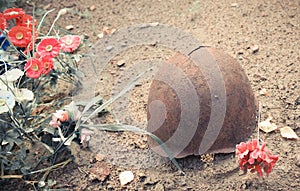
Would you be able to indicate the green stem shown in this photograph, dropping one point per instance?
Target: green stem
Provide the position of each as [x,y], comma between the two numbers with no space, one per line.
[52,167]
[258,122]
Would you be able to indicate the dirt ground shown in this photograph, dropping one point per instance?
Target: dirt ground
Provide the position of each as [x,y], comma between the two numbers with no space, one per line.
[263,36]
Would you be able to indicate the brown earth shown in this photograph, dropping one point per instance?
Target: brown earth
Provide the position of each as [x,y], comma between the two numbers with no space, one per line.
[236,27]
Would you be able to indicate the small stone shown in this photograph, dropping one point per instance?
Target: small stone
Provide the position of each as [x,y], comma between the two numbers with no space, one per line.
[255,49]
[100,35]
[288,133]
[241,51]
[63,11]
[123,44]
[126,177]
[112,31]
[99,171]
[106,30]
[234,5]
[264,92]
[70,27]
[154,24]
[109,48]
[92,8]
[86,36]
[121,63]
[266,126]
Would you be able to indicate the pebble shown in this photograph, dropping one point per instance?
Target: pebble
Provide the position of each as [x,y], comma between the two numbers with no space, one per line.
[126,177]
[234,5]
[63,11]
[109,48]
[121,63]
[100,35]
[123,44]
[241,51]
[92,8]
[255,49]
[70,27]
[154,24]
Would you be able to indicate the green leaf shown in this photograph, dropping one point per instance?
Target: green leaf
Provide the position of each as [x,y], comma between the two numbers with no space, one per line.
[110,101]
[131,128]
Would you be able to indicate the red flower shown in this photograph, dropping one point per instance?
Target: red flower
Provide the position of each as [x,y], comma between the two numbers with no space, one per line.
[47,64]
[55,122]
[256,158]
[20,36]
[48,47]
[3,22]
[69,43]
[26,21]
[59,117]
[13,13]
[33,68]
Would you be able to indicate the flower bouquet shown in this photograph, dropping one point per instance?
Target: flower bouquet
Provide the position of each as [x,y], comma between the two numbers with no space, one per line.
[31,65]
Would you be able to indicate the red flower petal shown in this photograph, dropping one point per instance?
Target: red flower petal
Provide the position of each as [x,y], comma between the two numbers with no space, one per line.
[47,64]
[258,169]
[273,158]
[69,43]
[20,36]
[26,21]
[61,115]
[33,68]
[252,145]
[3,22]
[255,158]
[270,163]
[255,154]
[13,13]
[242,147]
[251,160]
[48,47]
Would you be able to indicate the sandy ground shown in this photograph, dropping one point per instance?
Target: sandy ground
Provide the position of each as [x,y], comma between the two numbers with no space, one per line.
[262,36]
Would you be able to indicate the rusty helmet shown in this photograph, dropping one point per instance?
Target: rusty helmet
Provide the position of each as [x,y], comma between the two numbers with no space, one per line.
[200,103]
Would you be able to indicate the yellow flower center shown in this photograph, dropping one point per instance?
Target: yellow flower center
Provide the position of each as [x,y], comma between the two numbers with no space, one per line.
[49,48]
[46,65]
[19,35]
[69,41]
[35,67]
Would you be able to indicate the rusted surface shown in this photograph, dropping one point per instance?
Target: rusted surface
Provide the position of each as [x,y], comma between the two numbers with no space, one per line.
[239,116]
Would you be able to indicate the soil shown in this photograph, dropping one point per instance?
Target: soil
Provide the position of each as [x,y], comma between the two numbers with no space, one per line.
[263,36]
